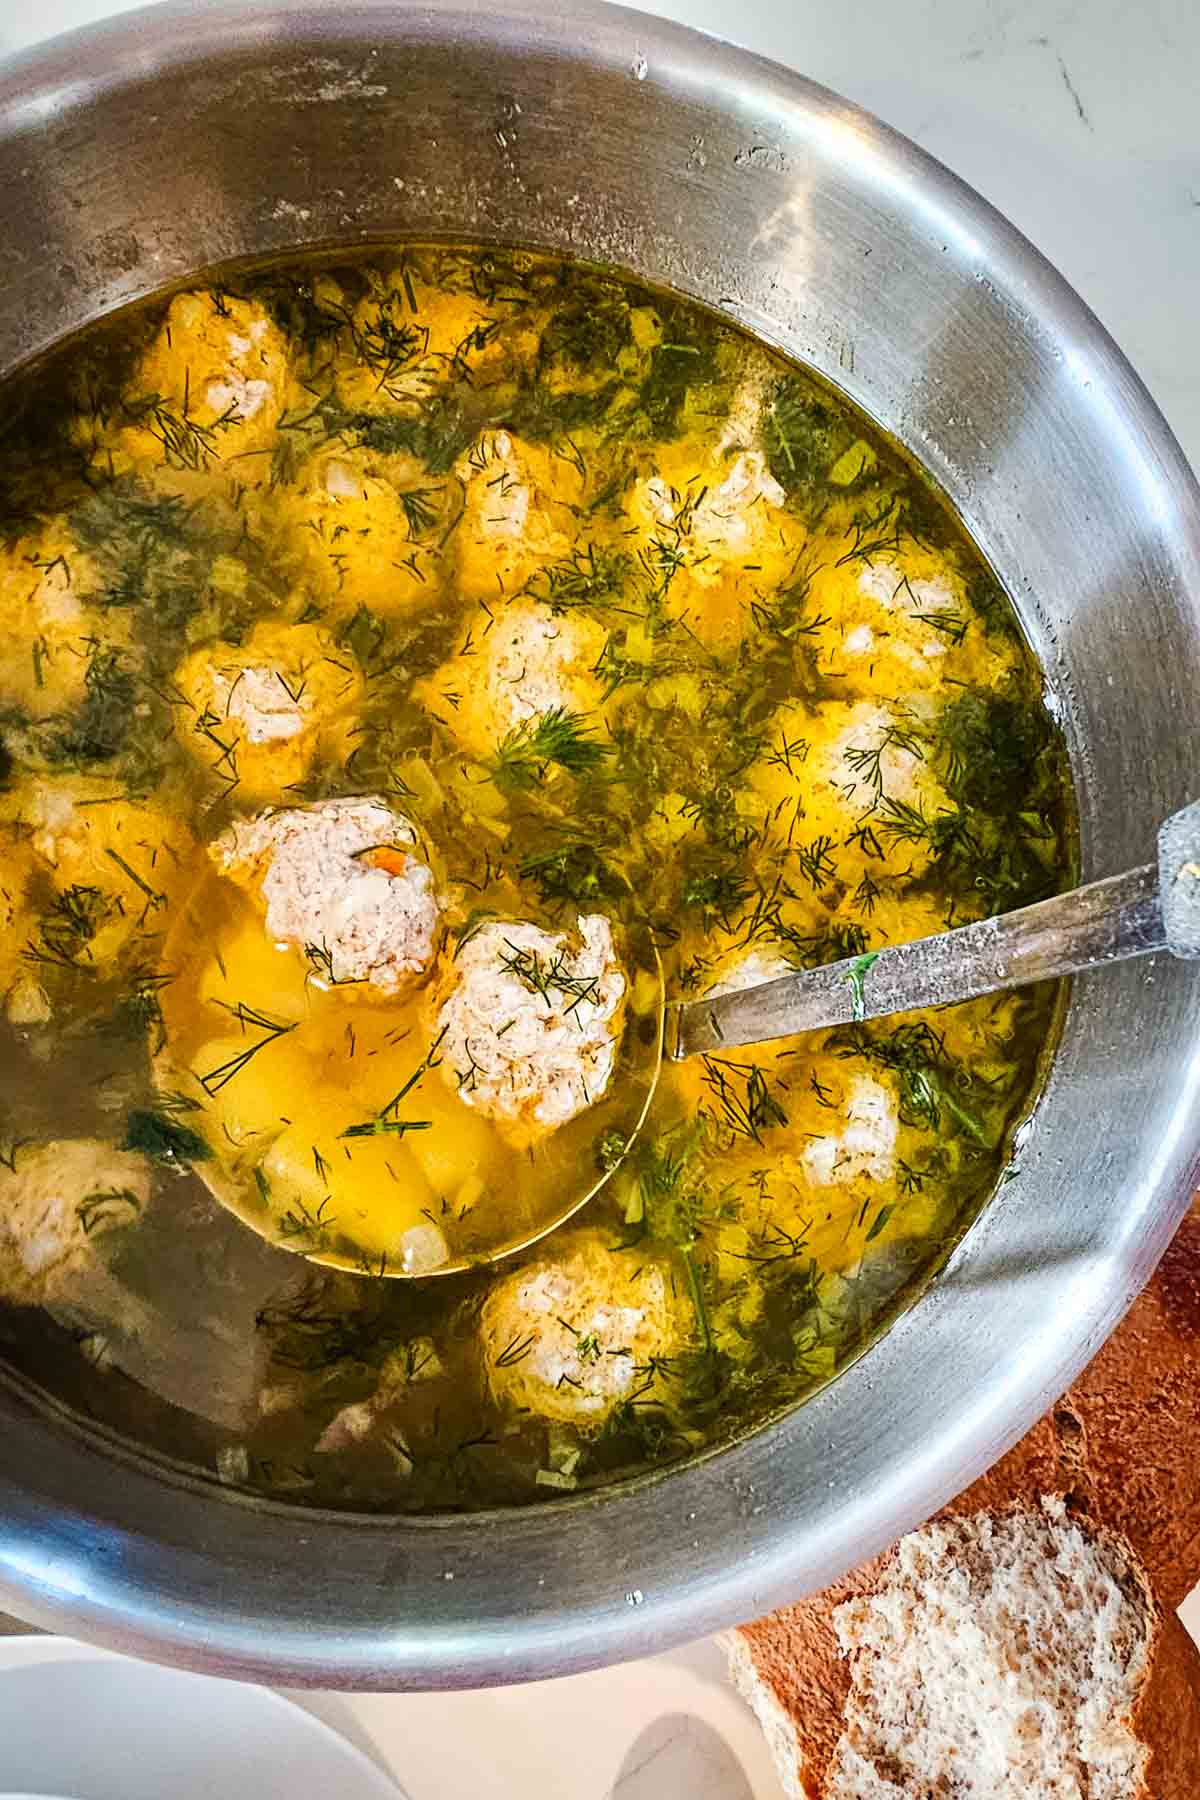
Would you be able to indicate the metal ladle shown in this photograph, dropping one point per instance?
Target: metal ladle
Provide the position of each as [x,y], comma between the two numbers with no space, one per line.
[1152,908]
[1155,907]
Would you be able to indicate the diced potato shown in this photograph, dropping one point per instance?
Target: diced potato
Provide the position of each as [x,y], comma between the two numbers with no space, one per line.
[458,1149]
[369,1189]
[256,1081]
[246,966]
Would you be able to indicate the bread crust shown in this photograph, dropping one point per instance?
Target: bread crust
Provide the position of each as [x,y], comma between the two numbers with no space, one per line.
[1167,1716]
[1127,1434]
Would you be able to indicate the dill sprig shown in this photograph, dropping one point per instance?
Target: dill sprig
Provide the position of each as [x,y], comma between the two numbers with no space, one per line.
[785,614]
[804,435]
[774,1243]
[422,508]
[815,862]
[716,894]
[558,739]
[385,1120]
[570,869]
[873,533]
[300,1221]
[67,928]
[515,1351]
[248,1017]
[388,344]
[379,1127]
[186,444]
[326,1322]
[587,576]
[138,1013]
[743,1103]
[866,760]
[163,1139]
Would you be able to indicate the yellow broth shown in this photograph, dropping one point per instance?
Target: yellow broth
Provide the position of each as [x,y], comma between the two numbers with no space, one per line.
[341,1136]
[617,617]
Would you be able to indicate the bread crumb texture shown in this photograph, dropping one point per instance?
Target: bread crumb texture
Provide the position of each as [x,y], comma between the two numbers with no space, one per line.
[1000,1655]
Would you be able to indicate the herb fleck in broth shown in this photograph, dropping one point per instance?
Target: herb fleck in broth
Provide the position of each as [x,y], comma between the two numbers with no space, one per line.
[386,639]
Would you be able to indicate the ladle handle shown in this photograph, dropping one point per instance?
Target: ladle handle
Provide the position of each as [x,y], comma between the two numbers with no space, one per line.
[1156,907]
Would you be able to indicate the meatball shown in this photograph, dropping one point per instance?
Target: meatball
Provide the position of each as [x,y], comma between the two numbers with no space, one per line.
[725,516]
[712,541]
[899,621]
[56,1201]
[414,1362]
[748,969]
[530,1028]
[517,516]
[355,539]
[570,1337]
[105,869]
[211,386]
[826,772]
[342,876]
[264,713]
[518,663]
[411,339]
[865,1148]
[48,587]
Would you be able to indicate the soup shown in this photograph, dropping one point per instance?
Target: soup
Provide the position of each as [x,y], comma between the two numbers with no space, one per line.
[406,654]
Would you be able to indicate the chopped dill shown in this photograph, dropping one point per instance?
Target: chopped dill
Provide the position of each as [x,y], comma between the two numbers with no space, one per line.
[66,929]
[550,976]
[247,1017]
[815,861]
[378,1127]
[164,1139]
[743,1103]
[422,508]
[515,1351]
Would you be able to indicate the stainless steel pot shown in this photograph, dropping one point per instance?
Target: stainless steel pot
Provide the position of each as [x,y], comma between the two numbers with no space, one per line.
[176,138]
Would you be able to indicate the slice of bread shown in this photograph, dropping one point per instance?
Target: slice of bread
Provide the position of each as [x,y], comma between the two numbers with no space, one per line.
[1115,1462]
[1008,1655]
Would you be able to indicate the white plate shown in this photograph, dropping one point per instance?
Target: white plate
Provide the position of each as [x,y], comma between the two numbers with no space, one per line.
[84,1722]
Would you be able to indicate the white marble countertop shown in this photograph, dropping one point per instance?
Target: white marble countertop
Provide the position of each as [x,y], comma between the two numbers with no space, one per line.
[1077,118]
